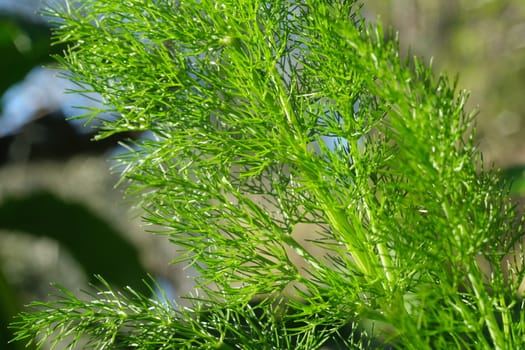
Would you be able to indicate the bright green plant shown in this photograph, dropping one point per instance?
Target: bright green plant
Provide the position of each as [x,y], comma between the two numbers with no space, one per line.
[269,115]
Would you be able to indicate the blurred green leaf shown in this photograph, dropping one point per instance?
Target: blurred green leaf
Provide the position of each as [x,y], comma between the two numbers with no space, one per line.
[516,176]
[23,45]
[93,242]
[9,307]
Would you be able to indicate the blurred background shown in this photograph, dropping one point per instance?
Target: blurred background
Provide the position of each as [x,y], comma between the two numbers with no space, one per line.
[484,42]
[61,218]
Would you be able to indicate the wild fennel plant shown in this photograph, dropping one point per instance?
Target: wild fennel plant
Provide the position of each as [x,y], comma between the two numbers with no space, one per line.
[409,242]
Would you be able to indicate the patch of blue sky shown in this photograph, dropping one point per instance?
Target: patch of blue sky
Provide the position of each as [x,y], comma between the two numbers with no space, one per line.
[46,91]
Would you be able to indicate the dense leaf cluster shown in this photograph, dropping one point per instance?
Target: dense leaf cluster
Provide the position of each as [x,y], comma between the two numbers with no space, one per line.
[266,116]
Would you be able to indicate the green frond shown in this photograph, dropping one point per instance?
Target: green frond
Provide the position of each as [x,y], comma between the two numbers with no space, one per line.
[267,116]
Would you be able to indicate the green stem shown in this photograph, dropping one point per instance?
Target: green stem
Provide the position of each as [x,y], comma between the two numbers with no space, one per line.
[337,218]
[480,291]
[486,310]
[356,244]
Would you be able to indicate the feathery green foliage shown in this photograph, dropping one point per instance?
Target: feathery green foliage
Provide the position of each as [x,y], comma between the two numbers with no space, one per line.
[270,115]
